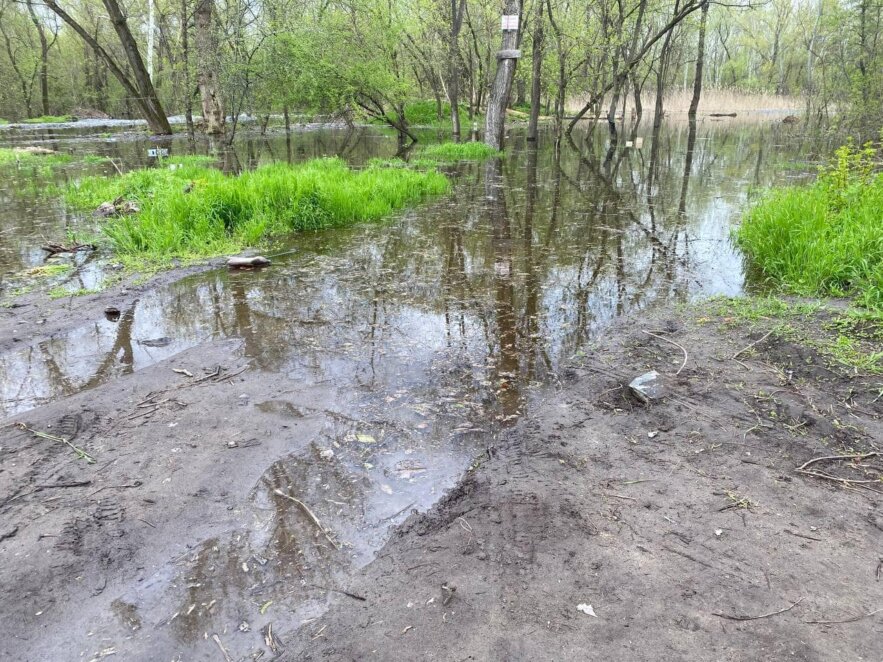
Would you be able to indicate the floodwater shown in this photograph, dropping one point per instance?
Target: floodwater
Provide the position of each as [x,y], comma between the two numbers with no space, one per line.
[431,330]
[528,259]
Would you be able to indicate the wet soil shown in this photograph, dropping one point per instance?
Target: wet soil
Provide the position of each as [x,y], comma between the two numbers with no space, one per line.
[674,520]
[682,523]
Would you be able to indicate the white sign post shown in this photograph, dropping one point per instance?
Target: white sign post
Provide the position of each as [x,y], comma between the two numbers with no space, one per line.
[509,22]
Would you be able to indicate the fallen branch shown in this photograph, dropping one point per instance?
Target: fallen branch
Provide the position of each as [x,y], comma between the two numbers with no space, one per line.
[754,618]
[54,249]
[756,342]
[802,469]
[81,454]
[670,342]
[310,515]
[846,620]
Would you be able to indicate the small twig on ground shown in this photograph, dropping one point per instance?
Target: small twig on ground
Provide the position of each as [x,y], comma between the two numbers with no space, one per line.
[754,618]
[846,620]
[221,646]
[618,496]
[756,342]
[802,469]
[310,515]
[800,535]
[77,483]
[671,342]
[337,590]
[81,454]
[399,512]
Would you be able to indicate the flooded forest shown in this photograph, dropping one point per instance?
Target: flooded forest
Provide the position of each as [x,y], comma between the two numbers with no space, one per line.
[460,330]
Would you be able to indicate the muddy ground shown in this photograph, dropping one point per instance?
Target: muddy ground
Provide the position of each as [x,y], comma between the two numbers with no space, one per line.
[682,523]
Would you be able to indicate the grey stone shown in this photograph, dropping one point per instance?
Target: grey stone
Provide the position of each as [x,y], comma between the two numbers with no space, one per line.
[647,387]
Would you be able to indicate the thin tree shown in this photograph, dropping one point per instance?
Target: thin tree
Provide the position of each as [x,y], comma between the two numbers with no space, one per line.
[138,87]
[700,63]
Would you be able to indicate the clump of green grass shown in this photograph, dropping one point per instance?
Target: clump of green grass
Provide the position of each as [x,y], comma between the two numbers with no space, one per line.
[826,238]
[751,309]
[194,211]
[471,151]
[49,119]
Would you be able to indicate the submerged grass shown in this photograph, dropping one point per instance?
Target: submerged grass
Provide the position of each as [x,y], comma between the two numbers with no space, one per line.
[471,151]
[826,238]
[190,210]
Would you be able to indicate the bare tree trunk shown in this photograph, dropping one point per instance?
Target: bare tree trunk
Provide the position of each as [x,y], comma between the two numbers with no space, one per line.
[141,88]
[44,58]
[536,73]
[185,58]
[507,58]
[700,63]
[206,68]
[457,11]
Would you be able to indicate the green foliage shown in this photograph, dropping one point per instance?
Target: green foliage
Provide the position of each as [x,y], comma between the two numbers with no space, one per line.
[826,238]
[49,119]
[192,210]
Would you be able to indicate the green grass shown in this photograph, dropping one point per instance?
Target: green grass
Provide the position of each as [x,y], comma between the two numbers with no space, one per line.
[194,211]
[61,292]
[823,239]
[470,151]
[49,119]
[3,122]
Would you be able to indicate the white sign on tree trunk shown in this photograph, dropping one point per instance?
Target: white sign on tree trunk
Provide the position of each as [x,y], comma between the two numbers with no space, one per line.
[509,22]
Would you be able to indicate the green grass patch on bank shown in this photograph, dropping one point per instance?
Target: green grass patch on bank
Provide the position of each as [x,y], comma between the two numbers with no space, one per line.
[50,119]
[825,238]
[191,210]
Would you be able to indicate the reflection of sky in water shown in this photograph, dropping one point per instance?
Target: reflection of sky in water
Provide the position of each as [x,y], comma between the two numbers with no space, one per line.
[587,239]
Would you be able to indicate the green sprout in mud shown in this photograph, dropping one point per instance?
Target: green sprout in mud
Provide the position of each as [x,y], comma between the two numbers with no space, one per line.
[737,501]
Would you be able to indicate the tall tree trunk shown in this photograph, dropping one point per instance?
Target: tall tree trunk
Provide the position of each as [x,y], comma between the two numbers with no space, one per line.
[44,58]
[206,68]
[457,10]
[141,88]
[495,123]
[184,20]
[536,73]
[700,64]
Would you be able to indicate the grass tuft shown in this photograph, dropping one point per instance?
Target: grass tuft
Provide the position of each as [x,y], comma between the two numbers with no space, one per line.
[471,151]
[190,210]
[826,238]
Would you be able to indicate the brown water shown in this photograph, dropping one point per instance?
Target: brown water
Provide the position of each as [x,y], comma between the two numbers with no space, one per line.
[430,330]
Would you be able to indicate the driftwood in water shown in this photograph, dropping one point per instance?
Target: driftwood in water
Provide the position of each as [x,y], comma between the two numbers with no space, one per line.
[248,262]
[52,249]
[722,114]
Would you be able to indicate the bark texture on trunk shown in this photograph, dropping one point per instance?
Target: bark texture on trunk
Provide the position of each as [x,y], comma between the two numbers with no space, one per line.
[495,122]
[206,70]
[457,10]
[700,63]
[536,73]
